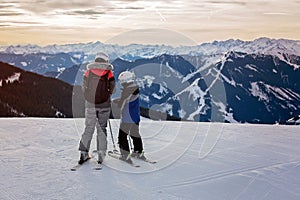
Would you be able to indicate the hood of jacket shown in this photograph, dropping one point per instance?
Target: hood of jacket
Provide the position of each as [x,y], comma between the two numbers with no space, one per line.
[98,65]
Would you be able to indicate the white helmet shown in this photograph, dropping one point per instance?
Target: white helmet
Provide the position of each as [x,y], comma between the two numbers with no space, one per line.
[126,77]
[101,56]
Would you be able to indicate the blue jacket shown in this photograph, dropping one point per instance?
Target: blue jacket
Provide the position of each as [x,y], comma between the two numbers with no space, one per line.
[129,102]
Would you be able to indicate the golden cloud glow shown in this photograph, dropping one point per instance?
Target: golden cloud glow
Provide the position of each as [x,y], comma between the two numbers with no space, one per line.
[47,22]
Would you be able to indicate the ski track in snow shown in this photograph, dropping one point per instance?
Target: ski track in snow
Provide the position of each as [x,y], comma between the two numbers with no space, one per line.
[195,161]
[223,174]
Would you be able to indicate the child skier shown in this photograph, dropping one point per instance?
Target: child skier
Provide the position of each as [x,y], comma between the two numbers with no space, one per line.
[130,117]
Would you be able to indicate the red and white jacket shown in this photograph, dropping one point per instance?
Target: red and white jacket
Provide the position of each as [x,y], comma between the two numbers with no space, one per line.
[101,69]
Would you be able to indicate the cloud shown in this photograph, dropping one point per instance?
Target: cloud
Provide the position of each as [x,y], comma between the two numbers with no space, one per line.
[19,25]
[276,13]
[227,2]
[45,6]
[5,6]
[9,9]
[206,17]
[9,14]
[85,12]
[131,8]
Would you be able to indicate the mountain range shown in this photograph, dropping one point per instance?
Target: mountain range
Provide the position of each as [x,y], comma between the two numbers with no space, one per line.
[27,94]
[232,81]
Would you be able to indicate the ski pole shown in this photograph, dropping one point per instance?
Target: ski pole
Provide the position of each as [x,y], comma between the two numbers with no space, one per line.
[112,137]
[130,144]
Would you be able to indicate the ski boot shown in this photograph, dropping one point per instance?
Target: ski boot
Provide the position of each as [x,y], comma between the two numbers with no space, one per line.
[101,156]
[84,156]
[139,155]
[126,158]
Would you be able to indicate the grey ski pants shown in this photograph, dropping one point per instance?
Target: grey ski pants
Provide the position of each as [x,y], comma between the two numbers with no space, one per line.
[95,117]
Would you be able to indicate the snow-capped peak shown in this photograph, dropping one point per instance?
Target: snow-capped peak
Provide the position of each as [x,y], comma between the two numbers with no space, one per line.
[132,51]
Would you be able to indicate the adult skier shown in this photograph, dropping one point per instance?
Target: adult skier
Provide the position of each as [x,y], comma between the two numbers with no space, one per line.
[98,85]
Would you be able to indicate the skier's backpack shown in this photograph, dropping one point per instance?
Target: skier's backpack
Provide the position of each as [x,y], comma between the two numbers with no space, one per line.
[96,88]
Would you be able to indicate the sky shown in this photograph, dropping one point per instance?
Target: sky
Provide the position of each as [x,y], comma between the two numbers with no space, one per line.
[45,22]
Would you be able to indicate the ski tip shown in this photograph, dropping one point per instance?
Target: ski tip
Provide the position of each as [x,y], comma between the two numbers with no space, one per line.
[151,161]
[135,165]
[74,168]
[98,166]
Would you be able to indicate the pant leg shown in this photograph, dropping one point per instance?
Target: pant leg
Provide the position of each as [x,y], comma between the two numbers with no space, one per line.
[122,138]
[90,122]
[102,117]
[136,138]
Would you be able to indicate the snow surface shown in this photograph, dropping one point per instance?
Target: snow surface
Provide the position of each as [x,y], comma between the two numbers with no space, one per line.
[11,79]
[195,161]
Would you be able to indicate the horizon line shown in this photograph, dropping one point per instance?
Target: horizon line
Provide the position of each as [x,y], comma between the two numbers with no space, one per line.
[148,44]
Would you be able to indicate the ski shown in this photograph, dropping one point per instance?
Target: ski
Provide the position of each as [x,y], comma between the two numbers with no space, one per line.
[147,160]
[118,156]
[76,167]
[98,166]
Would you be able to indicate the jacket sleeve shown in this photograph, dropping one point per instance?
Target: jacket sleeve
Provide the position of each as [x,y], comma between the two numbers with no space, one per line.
[125,95]
[85,83]
[120,101]
[112,85]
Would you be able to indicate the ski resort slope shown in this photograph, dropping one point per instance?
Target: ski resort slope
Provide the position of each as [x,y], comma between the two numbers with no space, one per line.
[209,161]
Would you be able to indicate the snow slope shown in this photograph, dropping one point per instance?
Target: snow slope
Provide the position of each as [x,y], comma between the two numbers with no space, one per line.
[195,161]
